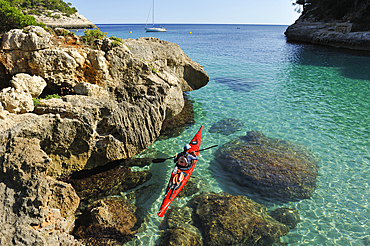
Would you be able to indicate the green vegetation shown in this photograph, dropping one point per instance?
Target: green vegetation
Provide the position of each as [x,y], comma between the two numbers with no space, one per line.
[91,35]
[336,9]
[15,14]
[40,6]
[116,41]
[11,18]
[356,12]
[36,101]
[153,69]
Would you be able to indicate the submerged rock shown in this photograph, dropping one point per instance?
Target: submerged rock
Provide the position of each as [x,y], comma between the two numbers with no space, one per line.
[287,216]
[180,230]
[109,183]
[239,84]
[275,168]
[235,220]
[227,126]
[109,221]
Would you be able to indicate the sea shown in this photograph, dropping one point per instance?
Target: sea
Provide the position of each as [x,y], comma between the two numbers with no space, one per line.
[311,95]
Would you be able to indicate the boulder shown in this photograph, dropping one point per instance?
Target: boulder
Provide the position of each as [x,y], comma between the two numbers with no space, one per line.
[287,216]
[274,168]
[180,230]
[235,220]
[30,38]
[108,221]
[15,101]
[227,126]
[161,53]
[29,84]
[33,207]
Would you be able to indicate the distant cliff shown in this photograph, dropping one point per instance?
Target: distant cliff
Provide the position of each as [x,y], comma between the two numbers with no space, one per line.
[74,21]
[344,24]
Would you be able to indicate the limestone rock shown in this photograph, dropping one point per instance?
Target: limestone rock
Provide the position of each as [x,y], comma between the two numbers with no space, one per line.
[74,21]
[29,39]
[235,220]
[31,215]
[91,90]
[287,216]
[16,101]
[107,222]
[331,34]
[274,168]
[27,83]
[57,67]
[180,230]
[161,53]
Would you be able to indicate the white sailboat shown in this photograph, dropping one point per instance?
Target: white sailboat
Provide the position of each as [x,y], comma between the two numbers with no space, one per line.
[154,29]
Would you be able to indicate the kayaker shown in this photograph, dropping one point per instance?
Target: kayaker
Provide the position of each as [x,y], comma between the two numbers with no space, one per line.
[183,159]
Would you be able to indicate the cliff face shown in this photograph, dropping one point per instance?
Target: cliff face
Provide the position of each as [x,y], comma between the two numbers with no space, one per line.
[115,102]
[344,24]
[74,21]
[112,104]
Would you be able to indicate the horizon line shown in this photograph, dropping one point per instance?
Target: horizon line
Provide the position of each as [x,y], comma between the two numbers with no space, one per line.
[274,24]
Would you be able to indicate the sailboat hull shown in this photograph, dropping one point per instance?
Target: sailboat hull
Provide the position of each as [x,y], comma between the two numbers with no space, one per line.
[155,29]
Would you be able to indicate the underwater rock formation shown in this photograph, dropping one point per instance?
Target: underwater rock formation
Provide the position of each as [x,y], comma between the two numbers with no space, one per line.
[226,126]
[108,221]
[276,169]
[180,230]
[109,183]
[287,216]
[235,220]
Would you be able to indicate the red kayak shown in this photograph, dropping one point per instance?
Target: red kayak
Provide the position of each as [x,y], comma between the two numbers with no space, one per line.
[173,188]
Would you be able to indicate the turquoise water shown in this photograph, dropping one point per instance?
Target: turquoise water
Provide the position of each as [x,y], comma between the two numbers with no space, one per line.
[311,95]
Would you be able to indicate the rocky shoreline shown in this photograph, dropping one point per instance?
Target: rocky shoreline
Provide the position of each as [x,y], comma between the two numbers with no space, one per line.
[333,34]
[111,103]
[74,21]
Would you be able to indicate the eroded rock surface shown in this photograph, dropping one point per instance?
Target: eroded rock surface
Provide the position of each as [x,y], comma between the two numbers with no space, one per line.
[35,209]
[276,169]
[115,101]
[235,220]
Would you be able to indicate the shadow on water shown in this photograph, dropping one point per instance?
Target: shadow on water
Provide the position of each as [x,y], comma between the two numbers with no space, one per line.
[352,64]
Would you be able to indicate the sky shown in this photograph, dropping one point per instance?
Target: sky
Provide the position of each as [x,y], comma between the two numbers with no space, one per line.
[188,11]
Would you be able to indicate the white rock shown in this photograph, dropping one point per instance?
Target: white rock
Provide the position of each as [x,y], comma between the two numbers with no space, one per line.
[29,84]
[88,89]
[29,39]
[15,101]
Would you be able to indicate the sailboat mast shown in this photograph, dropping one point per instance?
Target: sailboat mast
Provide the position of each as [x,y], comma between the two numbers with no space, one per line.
[153,13]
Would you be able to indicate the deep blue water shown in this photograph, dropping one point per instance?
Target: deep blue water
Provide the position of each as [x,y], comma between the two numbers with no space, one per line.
[314,96]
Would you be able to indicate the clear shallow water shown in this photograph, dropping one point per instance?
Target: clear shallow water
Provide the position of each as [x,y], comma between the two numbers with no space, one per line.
[312,95]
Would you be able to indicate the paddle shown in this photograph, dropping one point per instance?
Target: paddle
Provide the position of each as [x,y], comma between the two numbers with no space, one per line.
[159,160]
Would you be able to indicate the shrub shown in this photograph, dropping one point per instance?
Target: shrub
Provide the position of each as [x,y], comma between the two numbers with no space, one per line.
[12,18]
[92,34]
